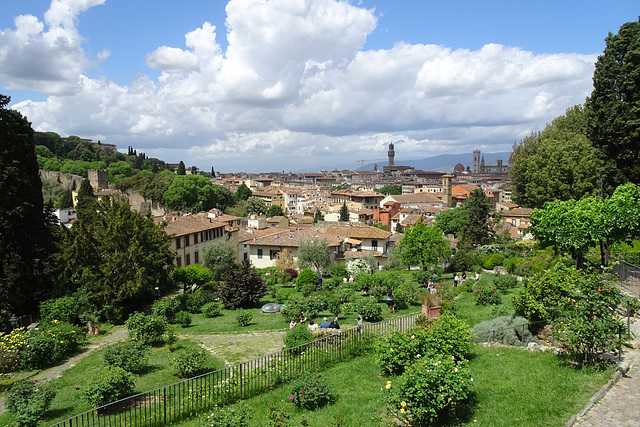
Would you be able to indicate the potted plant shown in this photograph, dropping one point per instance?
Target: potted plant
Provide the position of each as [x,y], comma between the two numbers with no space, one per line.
[430,305]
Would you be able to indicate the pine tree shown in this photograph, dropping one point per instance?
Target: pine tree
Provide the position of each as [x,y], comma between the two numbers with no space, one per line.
[344,212]
[181,168]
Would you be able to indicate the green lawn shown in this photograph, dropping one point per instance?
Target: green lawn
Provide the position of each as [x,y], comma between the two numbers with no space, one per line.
[512,387]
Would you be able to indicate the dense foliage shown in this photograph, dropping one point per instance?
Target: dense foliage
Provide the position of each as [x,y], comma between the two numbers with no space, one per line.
[242,288]
[28,400]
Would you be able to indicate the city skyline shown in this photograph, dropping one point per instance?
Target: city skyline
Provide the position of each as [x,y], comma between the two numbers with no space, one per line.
[255,86]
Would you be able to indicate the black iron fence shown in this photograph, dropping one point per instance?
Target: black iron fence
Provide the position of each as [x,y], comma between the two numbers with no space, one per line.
[184,399]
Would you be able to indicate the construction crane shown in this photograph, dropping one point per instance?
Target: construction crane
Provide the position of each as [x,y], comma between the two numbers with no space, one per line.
[366,160]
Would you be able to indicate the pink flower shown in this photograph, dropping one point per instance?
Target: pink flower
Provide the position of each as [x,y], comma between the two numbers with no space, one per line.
[291,397]
[303,392]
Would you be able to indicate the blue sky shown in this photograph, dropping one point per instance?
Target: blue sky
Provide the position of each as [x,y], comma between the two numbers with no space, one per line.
[256,85]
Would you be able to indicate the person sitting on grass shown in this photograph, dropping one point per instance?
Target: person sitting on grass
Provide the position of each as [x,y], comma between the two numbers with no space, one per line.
[325,324]
[313,326]
[335,324]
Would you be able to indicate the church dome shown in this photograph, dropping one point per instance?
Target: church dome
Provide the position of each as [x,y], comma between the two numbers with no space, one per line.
[459,168]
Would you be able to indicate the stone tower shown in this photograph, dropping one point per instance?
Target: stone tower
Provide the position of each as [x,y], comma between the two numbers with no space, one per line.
[476,161]
[98,178]
[446,189]
[391,153]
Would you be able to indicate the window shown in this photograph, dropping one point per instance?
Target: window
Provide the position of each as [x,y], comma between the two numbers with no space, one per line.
[203,236]
[195,239]
[196,257]
[259,253]
[187,259]
[186,241]
[246,256]
[179,261]
[178,243]
[273,253]
[374,245]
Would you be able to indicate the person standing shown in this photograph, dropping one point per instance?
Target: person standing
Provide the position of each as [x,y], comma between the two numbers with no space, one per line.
[390,304]
[293,323]
[455,279]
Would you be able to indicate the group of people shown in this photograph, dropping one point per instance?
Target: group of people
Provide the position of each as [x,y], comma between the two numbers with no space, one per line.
[313,326]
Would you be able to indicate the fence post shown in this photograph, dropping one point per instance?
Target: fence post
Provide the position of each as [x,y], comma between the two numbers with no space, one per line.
[524,325]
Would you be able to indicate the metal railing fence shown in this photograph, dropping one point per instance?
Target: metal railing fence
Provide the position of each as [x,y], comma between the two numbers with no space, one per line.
[187,398]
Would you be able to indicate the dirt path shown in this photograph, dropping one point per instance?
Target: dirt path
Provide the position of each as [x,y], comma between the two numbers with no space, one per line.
[115,335]
[236,348]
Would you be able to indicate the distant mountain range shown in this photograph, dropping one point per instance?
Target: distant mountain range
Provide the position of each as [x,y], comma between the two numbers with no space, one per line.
[443,162]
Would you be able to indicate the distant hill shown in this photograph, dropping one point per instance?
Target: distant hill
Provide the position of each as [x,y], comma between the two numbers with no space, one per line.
[443,162]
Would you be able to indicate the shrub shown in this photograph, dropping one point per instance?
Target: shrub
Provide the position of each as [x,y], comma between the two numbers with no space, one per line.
[243,287]
[297,336]
[183,318]
[64,309]
[345,294]
[132,356]
[194,361]
[307,277]
[486,296]
[397,350]
[38,353]
[9,361]
[450,336]
[198,299]
[237,416]
[464,260]
[504,283]
[284,294]
[290,274]
[311,392]
[168,308]
[357,266]
[338,271]
[50,343]
[308,288]
[28,400]
[422,277]
[492,260]
[211,309]
[504,330]
[244,317]
[147,329]
[334,306]
[368,308]
[331,283]
[513,264]
[294,308]
[430,390]
[113,383]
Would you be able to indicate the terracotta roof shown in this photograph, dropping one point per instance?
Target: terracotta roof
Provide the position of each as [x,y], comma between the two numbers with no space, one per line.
[293,238]
[275,218]
[227,218]
[190,224]
[417,198]
[247,234]
[526,212]
[411,219]
[358,232]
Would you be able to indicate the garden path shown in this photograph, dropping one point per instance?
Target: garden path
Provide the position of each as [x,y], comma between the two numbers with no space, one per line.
[236,348]
[620,406]
[117,334]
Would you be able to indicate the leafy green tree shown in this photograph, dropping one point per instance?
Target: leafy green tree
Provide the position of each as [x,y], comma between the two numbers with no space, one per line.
[223,197]
[344,212]
[451,221]
[256,206]
[614,107]
[150,185]
[64,201]
[475,228]
[558,163]
[25,236]
[243,193]
[218,255]
[194,274]
[243,287]
[119,171]
[274,210]
[390,189]
[191,192]
[425,246]
[315,254]
[181,168]
[117,258]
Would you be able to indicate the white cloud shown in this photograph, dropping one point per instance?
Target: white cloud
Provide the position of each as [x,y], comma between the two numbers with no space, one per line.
[294,88]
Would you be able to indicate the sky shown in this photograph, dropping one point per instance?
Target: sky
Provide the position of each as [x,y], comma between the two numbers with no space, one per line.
[301,85]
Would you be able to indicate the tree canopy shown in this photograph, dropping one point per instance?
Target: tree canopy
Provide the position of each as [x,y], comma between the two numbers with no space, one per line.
[25,233]
[242,287]
[390,189]
[195,192]
[614,107]
[315,254]
[117,258]
[344,212]
[242,193]
[274,210]
[256,206]
[218,255]
[475,229]
[558,163]
[424,245]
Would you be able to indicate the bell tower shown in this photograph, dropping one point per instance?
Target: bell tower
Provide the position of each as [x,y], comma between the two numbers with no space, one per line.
[391,153]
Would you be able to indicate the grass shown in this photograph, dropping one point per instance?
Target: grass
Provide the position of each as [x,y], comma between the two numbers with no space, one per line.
[512,387]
